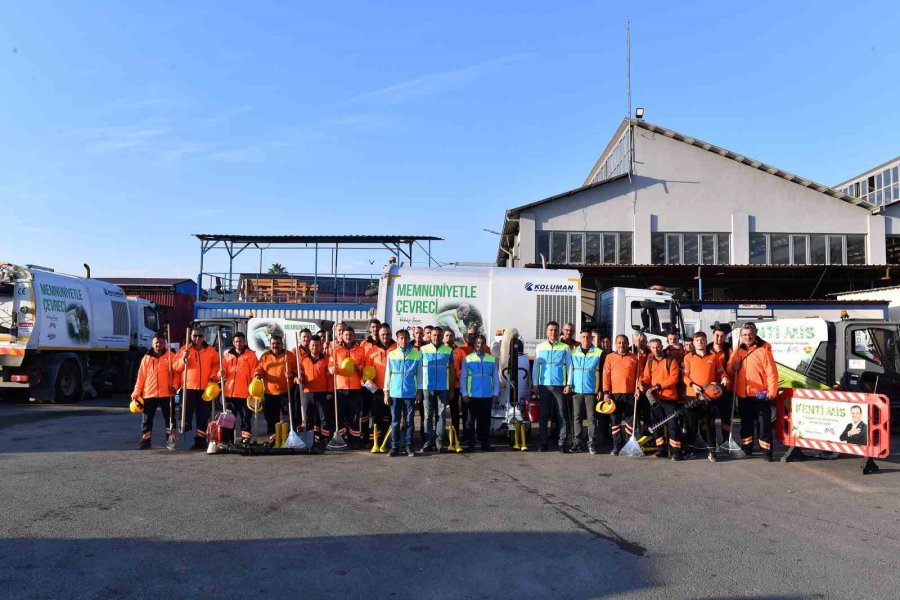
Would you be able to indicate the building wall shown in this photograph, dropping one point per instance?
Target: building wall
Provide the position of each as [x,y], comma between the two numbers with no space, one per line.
[680,188]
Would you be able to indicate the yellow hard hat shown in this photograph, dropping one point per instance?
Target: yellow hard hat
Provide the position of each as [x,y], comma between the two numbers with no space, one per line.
[606,407]
[347,367]
[255,404]
[212,391]
[137,405]
[369,373]
[256,389]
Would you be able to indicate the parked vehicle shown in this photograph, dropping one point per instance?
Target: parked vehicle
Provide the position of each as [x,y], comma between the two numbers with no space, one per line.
[62,336]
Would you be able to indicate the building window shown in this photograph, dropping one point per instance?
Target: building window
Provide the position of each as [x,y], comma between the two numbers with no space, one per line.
[881,187]
[580,247]
[689,248]
[813,249]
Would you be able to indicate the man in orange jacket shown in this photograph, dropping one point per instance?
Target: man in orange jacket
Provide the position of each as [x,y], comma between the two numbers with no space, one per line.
[238,370]
[756,385]
[620,377]
[348,388]
[202,363]
[155,385]
[377,359]
[317,390]
[660,383]
[277,369]
[701,368]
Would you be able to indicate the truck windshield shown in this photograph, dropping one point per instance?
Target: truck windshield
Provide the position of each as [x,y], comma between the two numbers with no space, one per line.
[878,346]
[654,321]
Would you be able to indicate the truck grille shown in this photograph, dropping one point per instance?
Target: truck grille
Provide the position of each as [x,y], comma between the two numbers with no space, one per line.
[120,318]
[551,307]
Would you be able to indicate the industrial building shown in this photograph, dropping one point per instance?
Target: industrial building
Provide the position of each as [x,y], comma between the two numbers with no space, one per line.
[663,208]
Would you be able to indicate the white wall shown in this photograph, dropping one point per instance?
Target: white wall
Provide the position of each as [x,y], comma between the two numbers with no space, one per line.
[681,188]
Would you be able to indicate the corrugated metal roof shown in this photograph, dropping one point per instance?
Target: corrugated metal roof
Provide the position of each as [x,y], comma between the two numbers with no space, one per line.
[878,289]
[314,239]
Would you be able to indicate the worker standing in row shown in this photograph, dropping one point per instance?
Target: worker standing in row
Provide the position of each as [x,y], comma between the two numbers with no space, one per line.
[437,368]
[238,370]
[700,369]
[550,377]
[585,380]
[659,382]
[277,370]
[155,387]
[377,358]
[317,390]
[620,375]
[480,387]
[201,362]
[724,406]
[756,385]
[348,388]
[402,382]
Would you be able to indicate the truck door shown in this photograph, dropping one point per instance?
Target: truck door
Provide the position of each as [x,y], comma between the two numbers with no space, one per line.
[872,363]
[654,319]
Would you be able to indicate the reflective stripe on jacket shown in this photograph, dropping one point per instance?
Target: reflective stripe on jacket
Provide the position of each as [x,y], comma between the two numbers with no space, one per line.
[436,364]
[480,378]
[403,378]
[585,375]
[552,364]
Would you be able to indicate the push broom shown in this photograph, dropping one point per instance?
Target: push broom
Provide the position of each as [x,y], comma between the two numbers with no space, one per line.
[731,446]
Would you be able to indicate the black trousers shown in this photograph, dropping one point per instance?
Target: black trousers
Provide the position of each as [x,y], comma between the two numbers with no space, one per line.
[150,406]
[553,402]
[756,412]
[703,414]
[307,401]
[381,413]
[348,412]
[622,426]
[238,407]
[195,407]
[663,409]
[724,408]
[479,423]
[273,407]
[365,412]
[324,403]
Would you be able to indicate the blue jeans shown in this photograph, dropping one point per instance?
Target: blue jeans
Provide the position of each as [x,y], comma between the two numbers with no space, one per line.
[399,407]
[435,409]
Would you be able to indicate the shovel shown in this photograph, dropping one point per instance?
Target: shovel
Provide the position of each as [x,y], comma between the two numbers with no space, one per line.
[172,442]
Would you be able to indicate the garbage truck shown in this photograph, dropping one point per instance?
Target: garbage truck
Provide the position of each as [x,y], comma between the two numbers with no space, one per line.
[63,336]
[490,299]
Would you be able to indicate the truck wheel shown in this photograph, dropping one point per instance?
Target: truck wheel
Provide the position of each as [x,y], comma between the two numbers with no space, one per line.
[68,386]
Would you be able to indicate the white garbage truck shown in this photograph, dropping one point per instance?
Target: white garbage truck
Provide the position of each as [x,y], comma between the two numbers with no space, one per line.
[62,336]
[490,299]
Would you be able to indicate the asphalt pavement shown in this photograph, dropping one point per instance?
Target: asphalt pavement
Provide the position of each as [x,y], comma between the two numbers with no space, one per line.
[84,515]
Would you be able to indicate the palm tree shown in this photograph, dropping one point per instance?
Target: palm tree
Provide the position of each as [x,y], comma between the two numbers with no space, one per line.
[277,269]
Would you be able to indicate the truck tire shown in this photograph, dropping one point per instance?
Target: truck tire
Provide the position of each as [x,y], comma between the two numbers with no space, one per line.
[68,387]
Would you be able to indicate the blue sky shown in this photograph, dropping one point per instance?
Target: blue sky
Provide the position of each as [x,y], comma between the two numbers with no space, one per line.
[129,126]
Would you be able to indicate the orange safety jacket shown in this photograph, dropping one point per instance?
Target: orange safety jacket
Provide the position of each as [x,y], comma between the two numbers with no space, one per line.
[156,376]
[202,366]
[620,373]
[272,369]
[239,372]
[754,370]
[377,359]
[316,377]
[702,370]
[355,353]
[662,372]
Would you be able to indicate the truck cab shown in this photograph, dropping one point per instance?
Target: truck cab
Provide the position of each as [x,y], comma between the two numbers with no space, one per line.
[626,311]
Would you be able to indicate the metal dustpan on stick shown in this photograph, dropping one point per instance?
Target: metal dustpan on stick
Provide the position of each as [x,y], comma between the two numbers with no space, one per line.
[337,442]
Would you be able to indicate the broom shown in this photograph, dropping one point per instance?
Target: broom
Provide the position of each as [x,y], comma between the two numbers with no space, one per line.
[187,341]
[337,442]
[731,446]
[294,441]
[172,442]
[632,448]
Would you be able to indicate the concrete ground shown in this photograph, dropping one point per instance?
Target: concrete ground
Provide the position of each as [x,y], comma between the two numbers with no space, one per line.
[84,515]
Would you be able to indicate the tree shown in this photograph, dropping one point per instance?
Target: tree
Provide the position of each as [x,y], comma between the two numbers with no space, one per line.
[277,269]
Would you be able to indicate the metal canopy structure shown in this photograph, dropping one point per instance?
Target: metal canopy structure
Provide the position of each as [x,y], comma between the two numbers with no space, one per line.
[401,246]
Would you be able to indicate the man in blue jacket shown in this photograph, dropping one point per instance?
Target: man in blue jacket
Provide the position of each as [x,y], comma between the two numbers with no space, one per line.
[585,380]
[551,377]
[479,385]
[402,381]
